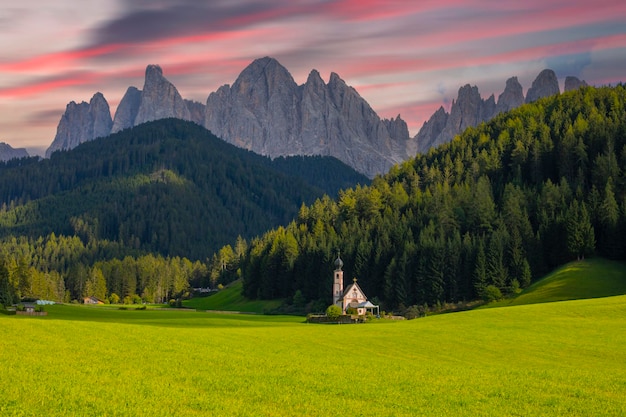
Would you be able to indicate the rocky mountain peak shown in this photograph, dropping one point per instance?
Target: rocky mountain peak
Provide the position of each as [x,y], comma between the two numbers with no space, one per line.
[81,123]
[154,73]
[466,111]
[264,76]
[544,85]
[267,112]
[160,99]
[470,110]
[512,96]
[7,152]
[101,115]
[431,129]
[127,110]
[573,83]
[314,80]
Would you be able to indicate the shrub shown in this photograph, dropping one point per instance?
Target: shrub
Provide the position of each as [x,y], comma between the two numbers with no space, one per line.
[351,311]
[114,298]
[491,293]
[333,311]
[412,312]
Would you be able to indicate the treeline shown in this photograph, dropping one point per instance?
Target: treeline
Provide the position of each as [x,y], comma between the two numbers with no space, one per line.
[500,205]
[168,187]
[64,269]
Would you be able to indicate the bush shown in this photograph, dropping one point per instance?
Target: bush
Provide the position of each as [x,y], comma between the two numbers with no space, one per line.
[351,311]
[412,312]
[492,293]
[333,311]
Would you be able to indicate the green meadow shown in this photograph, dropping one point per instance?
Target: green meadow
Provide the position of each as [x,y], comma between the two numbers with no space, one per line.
[540,358]
[590,278]
[230,299]
[565,358]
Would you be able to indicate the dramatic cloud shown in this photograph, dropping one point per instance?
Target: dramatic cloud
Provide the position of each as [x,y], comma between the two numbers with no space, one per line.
[404,57]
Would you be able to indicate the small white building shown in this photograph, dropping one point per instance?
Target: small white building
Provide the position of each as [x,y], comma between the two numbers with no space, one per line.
[353,296]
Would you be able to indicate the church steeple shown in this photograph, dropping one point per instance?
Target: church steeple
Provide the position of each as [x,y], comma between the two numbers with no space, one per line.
[338,262]
[338,282]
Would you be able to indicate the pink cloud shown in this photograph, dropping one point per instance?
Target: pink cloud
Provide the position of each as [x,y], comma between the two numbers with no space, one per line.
[42,87]
[57,59]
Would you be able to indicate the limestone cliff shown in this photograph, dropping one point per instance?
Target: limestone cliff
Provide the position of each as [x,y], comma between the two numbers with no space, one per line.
[81,123]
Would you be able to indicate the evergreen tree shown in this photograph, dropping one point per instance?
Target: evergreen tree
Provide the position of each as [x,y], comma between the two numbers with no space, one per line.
[480,270]
[7,291]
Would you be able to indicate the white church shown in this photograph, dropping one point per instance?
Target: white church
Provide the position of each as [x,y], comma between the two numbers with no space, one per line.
[353,296]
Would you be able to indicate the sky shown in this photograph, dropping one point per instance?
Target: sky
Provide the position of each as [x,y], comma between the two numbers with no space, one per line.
[404,57]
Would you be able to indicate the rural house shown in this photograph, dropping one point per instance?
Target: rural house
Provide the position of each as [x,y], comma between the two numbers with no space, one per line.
[92,300]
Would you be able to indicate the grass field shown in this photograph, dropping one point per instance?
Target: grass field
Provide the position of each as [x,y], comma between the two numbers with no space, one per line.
[565,358]
[230,299]
[590,278]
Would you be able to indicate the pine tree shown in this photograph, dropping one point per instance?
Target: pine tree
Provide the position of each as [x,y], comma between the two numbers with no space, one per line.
[480,270]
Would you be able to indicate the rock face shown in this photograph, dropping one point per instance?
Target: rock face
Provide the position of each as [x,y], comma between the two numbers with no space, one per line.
[469,109]
[265,111]
[545,85]
[160,99]
[197,111]
[7,152]
[81,123]
[127,110]
[512,97]
[573,83]
[431,129]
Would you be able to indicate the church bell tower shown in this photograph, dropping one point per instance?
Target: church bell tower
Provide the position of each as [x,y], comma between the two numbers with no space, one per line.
[338,282]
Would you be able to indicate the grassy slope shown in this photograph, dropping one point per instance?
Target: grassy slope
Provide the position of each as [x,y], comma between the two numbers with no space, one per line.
[230,299]
[591,278]
[544,359]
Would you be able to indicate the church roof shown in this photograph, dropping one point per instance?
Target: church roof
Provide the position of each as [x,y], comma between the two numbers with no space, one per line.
[366,304]
[351,287]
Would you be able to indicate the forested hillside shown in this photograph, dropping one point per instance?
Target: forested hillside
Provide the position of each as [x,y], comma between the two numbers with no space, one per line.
[120,217]
[501,204]
[167,187]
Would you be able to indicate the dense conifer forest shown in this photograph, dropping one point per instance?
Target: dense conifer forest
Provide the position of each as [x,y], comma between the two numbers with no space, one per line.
[499,206]
[160,193]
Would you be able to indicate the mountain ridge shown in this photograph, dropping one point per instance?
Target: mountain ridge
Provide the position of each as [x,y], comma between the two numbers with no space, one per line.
[266,111]
[470,109]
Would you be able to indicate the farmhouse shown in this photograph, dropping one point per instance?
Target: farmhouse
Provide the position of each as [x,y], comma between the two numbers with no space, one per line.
[92,300]
[353,296]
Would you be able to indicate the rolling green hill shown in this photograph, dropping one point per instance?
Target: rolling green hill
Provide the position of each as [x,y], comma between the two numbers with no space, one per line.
[590,278]
[231,299]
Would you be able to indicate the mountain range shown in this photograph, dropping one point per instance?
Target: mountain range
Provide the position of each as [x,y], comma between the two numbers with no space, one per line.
[265,111]
[470,109]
